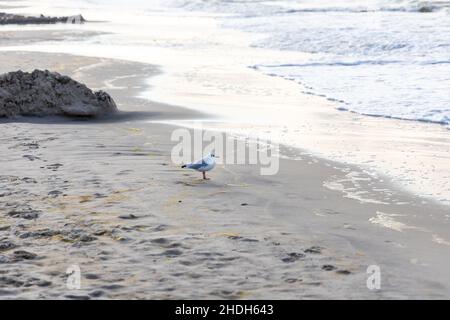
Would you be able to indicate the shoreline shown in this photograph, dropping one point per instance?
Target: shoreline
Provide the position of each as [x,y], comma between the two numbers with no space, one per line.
[102,172]
[418,152]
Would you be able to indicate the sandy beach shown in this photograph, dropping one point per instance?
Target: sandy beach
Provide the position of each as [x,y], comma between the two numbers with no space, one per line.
[104,195]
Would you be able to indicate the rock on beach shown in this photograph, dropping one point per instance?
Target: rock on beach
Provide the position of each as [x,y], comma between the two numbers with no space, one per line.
[44,93]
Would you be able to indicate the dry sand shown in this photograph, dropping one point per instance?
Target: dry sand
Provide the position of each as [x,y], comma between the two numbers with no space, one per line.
[104,195]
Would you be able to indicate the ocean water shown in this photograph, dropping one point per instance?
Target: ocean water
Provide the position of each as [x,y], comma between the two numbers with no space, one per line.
[379,58]
[387,58]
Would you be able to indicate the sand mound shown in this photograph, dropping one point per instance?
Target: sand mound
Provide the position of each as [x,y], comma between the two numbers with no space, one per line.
[44,93]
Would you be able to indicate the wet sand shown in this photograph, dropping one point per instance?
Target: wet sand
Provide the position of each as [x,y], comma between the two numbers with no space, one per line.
[104,195]
[13,38]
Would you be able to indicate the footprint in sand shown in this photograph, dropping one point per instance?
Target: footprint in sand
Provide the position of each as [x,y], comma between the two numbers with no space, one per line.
[292,257]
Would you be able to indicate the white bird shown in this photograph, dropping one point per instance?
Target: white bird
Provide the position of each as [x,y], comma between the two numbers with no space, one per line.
[206,164]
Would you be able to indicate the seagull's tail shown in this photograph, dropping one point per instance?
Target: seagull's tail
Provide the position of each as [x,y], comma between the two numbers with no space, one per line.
[183,166]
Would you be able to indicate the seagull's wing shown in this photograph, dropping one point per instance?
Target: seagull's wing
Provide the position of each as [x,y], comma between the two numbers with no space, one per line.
[197,165]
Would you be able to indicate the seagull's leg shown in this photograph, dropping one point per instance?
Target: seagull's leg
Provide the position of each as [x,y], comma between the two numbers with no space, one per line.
[204,175]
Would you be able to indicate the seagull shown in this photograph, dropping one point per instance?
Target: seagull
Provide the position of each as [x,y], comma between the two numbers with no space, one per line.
[206,164]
